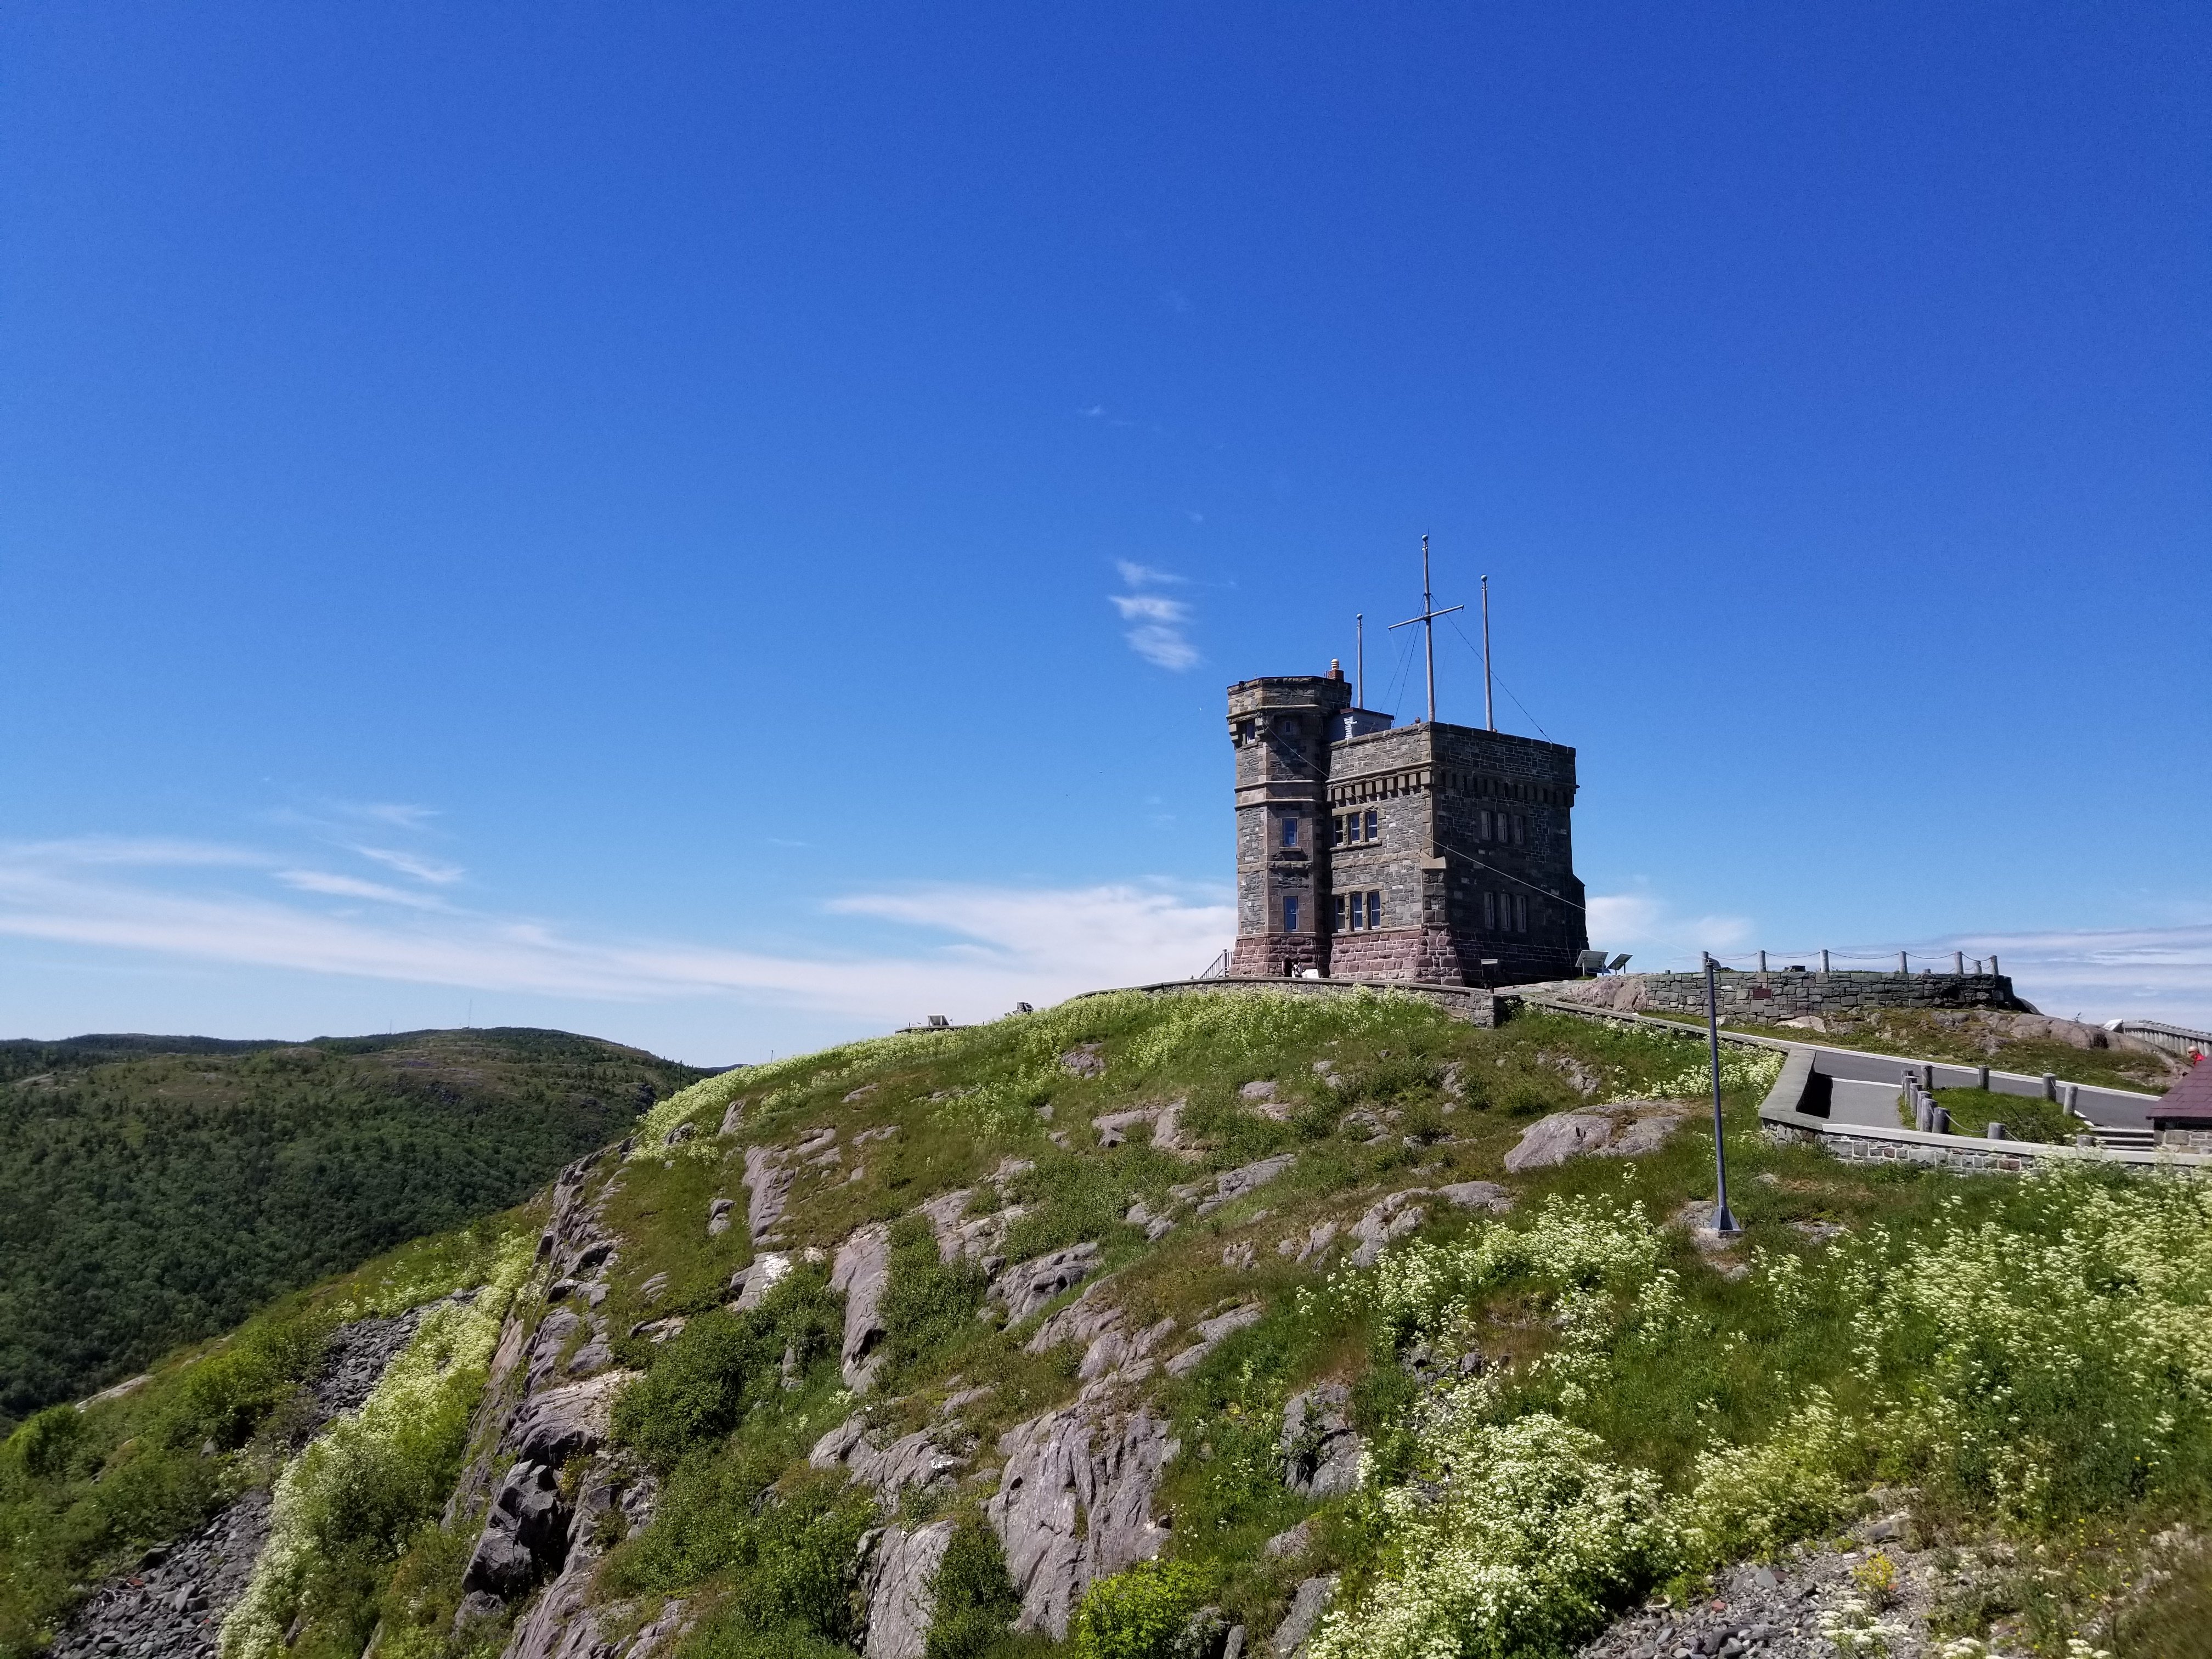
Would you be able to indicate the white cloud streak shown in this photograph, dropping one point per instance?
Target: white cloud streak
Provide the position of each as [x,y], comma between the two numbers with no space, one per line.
[411,863]
[995,945]
[1158,636]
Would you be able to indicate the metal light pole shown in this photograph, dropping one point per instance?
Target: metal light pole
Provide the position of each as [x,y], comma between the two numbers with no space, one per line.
[1724,1222]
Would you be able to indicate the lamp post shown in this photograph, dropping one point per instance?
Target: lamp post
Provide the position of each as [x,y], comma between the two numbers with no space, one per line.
[1724,1222]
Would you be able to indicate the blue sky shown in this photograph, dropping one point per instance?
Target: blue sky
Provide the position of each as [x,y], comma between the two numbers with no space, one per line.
[727,527]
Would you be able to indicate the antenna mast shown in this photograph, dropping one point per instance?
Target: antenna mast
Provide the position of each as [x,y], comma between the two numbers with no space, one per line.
[1489,719]
[1428,622]
[1359,659]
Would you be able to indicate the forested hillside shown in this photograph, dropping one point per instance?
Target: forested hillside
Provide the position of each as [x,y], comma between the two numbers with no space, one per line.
[154,1190]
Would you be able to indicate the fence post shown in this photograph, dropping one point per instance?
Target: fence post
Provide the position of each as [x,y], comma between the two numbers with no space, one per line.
[1824,962]
[1959,961]
[1982,1080]
[1762,961]
[1901,968]
[2050,1085]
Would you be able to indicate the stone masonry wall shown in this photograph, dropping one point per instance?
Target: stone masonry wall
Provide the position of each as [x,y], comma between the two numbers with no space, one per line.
[1769,997]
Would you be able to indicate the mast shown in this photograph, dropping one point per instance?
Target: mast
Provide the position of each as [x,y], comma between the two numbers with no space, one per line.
[1359,659]
[1489,719]
[1428,622]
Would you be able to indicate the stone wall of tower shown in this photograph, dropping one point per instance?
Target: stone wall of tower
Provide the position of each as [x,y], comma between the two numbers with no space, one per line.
[1459,813]
[1280,729]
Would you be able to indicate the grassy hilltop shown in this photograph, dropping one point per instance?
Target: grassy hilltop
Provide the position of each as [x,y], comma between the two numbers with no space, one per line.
[155,1190]
[1564,1408]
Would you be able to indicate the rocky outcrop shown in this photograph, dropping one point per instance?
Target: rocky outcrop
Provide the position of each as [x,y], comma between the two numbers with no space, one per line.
[753,1281]
[1320,1448]
[1624,1129]
[895,1582]
[862,1271]
[1235,1183]
[525,1536]
[1166,1123]
[963,1238]
[1211,1332]
[562,1625]
[1391,1218]
[1074,1502]
[1027,1288]
[1307,1606]
[567,1422]
[911,1462]
[718,1216]
[768,1189]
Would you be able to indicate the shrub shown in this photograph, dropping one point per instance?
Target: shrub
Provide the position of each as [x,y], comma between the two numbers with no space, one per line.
[1137,1615]
[1532,1536]
[928,1302]
[224,1396]
[702,1383]
[975,1600]
[45,1442]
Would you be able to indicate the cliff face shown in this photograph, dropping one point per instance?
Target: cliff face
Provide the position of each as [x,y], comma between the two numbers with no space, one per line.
[1221,1325]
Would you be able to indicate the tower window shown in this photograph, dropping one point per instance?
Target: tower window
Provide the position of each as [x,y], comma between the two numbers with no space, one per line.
[1375,907]
[1370,828]
[1519,913]
[1490,912]
[1341,925]
[1290,832]
[1290,916]
[1336,830]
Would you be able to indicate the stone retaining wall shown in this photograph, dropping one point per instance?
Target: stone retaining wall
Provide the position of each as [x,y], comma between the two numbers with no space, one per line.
[1779,995]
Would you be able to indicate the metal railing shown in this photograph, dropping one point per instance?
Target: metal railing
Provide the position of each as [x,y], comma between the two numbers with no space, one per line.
[1858,961]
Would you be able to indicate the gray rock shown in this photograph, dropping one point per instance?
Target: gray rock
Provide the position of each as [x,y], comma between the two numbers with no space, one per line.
[753,1282]
[593,1358]
[1290,1546]
[1307,1606]
[1240,1256]
[1211,1332]
[1261,1090]
[1392,1218]
[1026,1288]
[679,1134]
[525,1536]
[559,1424]
[768,1188]
[1314,1241]
[912,1461]
[1074,1502]
[732,1117]
[1552,1140]
[1478,1196]
[1083,1320]
[1321,1449]
[1235,1183]
[718,1216]
[862,1271]
[897,1583]
[1084,1060]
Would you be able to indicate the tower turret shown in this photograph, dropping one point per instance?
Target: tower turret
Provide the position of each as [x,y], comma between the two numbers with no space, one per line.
[1281,728]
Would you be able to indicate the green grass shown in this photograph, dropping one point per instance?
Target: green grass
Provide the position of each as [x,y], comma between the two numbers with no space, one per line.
[2022,1356]
[2026,1117]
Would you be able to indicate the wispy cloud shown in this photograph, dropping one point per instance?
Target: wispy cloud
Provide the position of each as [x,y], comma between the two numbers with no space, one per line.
[339,886]
[2116,973]
[434,871]
[1158,636]
[981,948]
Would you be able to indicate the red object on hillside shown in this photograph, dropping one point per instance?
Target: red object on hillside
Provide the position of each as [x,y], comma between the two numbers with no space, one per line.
[2188,1104]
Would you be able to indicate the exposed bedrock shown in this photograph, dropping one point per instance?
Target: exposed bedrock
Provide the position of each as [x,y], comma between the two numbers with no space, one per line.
[1075,1502]
[862,1271]
[895,1581]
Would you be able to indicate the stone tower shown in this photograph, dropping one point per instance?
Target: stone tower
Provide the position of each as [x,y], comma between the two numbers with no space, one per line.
[1369,851]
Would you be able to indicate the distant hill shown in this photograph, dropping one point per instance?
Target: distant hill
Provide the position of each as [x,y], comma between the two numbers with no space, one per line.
[156,1189]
